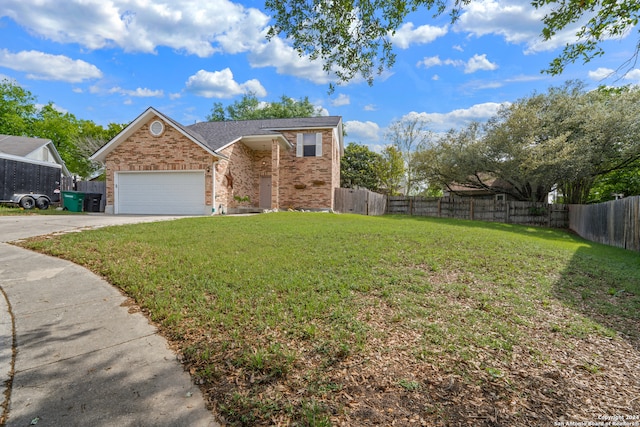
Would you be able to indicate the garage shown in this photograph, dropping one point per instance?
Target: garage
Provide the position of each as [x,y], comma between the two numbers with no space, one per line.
[160,193]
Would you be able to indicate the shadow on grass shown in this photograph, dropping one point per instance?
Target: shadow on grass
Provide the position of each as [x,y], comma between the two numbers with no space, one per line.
[602,283]
[564,235]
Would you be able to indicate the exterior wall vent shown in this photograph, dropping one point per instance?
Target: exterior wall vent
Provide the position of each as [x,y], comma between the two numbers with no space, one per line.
[156,128]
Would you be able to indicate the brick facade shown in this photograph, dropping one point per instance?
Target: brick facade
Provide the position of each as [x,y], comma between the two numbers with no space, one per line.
[296,182]
[293,182]
[170,151]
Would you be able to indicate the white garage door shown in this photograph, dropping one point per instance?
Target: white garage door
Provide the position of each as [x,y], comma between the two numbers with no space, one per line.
[161,193]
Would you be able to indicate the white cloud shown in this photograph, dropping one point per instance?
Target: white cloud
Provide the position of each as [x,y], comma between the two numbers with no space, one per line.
[341,100]
[220,84]
[406,35]
[138,93]
[194,27]
[601,73]
[458,48]
[441,122]
[517,21]
[479,62]
[430,61]
[475,63]
[44,66]
[286,61]
[370,107]
[633,75]
[362,131]
[176,95]
[435,77]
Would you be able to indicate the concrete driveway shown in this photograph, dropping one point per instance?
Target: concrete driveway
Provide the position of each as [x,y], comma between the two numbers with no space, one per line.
[71,353]
[22,227]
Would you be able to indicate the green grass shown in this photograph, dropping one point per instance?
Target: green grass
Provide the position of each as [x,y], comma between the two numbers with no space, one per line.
[273,306]
[16,210]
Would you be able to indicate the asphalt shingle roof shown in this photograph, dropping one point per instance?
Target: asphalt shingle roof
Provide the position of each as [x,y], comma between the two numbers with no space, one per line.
[20,145]
[216,135]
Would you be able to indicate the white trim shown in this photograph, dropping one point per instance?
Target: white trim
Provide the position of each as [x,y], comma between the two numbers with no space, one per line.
[102,153]
[299,145]
[153,124]
[27,160]
[319,144]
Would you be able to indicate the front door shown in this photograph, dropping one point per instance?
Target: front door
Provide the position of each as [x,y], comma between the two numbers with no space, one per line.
[265,192]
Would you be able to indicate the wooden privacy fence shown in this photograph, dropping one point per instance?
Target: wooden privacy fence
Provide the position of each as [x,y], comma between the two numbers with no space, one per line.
[96,187]
[360,201]
[524,213]
[614,223]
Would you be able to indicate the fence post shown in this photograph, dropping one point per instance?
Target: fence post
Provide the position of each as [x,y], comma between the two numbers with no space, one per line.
[506,212]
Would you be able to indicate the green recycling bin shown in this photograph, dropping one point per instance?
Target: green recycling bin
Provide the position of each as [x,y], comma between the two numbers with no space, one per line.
[72,201]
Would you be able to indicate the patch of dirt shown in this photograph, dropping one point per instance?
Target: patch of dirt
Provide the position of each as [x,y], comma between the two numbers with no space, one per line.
[549,379]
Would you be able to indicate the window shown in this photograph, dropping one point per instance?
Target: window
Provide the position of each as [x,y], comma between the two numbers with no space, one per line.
[156,128]
[500,197]
[309,145]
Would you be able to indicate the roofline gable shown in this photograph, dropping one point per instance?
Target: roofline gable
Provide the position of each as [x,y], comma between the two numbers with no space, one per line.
[136,124]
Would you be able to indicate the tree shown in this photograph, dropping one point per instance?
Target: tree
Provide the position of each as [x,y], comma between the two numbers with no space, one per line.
[409,135]
[359,167]
[607,19]
[353,38]
[250,108]
[17,107]
[625,182]
[565,138]
[19,116]
[91,137]
[391,171]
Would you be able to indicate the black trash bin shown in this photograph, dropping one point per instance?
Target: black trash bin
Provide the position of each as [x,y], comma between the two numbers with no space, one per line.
[92,202]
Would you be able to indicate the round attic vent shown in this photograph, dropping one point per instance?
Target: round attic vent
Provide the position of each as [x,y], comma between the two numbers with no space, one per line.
[156,128]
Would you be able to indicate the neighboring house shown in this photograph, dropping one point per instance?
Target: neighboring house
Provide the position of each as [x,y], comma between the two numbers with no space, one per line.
[158,166]
[31,150]
[488,189]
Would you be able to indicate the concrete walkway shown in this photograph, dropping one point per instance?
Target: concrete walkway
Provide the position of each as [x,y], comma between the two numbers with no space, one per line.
[80,358]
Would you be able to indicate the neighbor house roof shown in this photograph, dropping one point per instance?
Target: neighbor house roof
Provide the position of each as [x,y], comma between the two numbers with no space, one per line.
[213,136]
[22,146]
[486,184]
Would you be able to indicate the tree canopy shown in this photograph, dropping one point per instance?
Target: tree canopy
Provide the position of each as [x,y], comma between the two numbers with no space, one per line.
[250,108]
[20,116]
[353,38]
[565,139]
[359,167]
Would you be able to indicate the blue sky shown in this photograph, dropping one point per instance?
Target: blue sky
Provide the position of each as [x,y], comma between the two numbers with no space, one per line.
[108,60]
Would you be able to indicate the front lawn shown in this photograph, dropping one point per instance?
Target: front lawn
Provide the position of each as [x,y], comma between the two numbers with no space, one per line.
[320,319]
[8,209]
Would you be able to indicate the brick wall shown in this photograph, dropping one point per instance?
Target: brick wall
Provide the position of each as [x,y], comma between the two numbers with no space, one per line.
[296,182]
[245,167]
[171,151]
[309,182]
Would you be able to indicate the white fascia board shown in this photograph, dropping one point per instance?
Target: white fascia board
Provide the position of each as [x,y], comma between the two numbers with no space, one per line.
[229,144]
[101,154]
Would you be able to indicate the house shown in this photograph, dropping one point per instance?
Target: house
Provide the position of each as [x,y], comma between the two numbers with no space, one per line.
[158,166]
[31,150]
[486,188]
